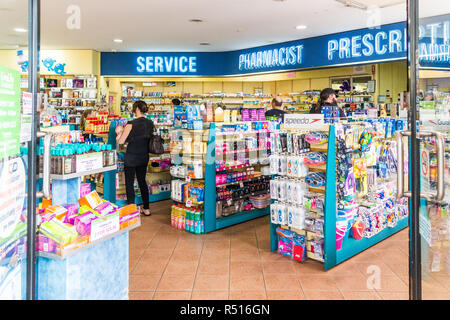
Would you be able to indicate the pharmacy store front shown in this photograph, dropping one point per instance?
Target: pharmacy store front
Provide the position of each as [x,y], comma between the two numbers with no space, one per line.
[244,206]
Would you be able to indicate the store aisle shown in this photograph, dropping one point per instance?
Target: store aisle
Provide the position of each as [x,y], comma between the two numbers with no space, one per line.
[236,263]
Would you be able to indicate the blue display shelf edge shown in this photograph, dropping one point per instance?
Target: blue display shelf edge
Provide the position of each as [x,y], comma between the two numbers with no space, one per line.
[352,247]
[241,217]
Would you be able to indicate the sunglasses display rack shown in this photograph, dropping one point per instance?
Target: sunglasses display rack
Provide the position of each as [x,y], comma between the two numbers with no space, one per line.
[333,196]
[223,171]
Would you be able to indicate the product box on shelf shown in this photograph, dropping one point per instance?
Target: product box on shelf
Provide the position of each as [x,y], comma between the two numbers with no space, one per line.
[63,229]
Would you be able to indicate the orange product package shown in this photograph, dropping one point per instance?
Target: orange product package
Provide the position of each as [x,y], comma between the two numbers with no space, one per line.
[128,209]
[46,203]
[57,210]
[91,200]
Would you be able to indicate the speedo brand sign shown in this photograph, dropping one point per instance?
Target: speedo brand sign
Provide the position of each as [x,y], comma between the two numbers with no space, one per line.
[300,121]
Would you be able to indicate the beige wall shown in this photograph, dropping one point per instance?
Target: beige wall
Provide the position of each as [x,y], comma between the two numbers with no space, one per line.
[78,62]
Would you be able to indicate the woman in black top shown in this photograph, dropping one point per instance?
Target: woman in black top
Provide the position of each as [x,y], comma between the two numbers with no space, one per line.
[137,134]
[327,98]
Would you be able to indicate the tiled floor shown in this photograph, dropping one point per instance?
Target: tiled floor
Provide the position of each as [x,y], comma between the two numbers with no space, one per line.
[236,263]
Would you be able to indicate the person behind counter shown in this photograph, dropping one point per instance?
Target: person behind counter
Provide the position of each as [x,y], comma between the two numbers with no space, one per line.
[277,109]
[327,99]
[137,134]
[88,113]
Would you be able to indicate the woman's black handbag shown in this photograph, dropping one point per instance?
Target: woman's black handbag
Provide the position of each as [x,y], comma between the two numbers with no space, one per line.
[155,143]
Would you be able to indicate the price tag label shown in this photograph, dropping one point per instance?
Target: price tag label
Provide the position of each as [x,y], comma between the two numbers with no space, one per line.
[188,203]
[229,202]
[105,226]
[188,179]
[241,184]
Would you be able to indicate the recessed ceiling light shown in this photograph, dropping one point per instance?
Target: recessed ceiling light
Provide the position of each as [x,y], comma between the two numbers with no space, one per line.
[279,0]
[301,27]
[118,40]
[20,30]
[205,43]
[196,20]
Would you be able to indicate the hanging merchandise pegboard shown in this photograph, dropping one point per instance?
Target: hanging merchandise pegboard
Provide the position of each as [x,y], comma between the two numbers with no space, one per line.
[334,195]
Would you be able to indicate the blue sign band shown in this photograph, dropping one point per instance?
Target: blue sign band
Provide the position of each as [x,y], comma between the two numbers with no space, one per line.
[386,43]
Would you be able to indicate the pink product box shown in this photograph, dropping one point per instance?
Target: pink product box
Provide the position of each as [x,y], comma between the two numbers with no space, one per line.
[72,211]
[45,244]
[261,115]
[85,188]
[129,217]
[47,216]
[245,115]
[104,209]
[254,114]
[83,223]
[221,179]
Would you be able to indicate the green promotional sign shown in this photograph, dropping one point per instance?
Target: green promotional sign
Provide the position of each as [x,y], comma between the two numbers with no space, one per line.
[9,112]
[427,105]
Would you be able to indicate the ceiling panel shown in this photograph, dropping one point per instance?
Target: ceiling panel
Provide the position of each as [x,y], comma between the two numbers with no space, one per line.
[163,25]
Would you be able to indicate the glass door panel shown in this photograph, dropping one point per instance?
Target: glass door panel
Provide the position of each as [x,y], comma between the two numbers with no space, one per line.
[15,130]
[434,116]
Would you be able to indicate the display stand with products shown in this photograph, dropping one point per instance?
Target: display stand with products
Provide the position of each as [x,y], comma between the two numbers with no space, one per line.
[335,198]
[158,175]
[82,240]
[221,174]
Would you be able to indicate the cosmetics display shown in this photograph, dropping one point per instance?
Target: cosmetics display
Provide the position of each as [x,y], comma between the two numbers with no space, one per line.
[222,170]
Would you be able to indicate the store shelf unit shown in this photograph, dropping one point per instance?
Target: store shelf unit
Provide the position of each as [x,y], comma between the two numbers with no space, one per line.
[110,181]
[212,222]
[350,246]
[213,219]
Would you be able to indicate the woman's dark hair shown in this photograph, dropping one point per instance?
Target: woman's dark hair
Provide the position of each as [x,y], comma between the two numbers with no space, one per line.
[176,102]
[83,117]
[141,105]
[324,94]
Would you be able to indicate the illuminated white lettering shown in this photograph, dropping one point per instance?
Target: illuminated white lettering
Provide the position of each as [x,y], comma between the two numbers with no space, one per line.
[333,46]
[300,54]
[433,28]
[367,41]
[159,64]
[192,64]
[281,58]
[259,59]
[168,63]
[356,46]
[183,64]
[344,48]
[380,49]
[149,64]
[395,37]
[267,58]
[141,66]
[446,31]
[253,60]
[241,61]
[175,64]
[274,57]
[291,52]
